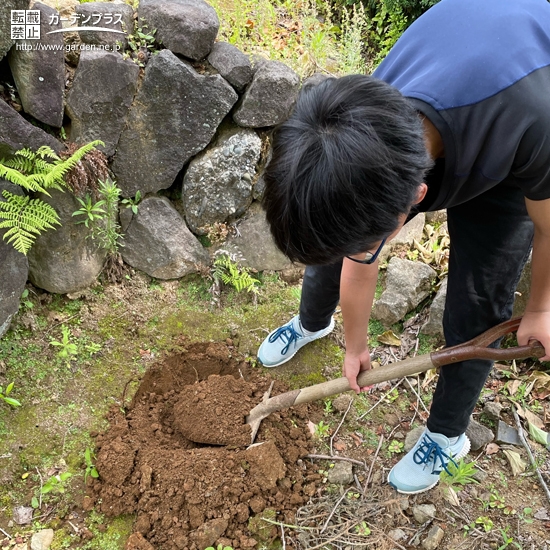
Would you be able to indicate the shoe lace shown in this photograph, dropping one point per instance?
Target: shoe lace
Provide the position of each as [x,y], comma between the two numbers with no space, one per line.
[430,451]
[287,334]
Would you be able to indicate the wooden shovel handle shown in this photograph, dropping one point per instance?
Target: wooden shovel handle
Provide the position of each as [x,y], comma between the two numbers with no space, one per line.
[473,349]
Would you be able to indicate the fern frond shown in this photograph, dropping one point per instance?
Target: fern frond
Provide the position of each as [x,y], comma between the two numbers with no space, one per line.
[55,177]
[26,182]
[21,163]
[25,219]
[46,151]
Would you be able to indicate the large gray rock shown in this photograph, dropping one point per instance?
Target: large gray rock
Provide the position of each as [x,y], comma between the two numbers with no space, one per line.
[119,17]
[16,133]
[410,232]
[174,116]
[232,64]
[479,435]
[5,23]
[102,92]
[217,186]
[522,290]
[158,242]
[66,259]
[434,324]
[187,27]
[407,284]
[40,74]
[270,97]
[255,244]
[14,271]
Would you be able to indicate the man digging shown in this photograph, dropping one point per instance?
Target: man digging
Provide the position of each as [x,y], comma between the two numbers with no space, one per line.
[457,116]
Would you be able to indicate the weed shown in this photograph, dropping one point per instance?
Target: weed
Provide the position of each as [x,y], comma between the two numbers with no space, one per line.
[460,475]
[67,348]
[395,447]
[142,43]
[132,203]
[9,400]
[25,302]
[392,395]
[90,466]
[363,529]
[92,211]
[327,406]
[322,430]
[507,540]
[219,547]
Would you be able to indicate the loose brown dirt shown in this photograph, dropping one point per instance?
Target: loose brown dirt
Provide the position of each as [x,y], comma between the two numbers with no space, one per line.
[190,496]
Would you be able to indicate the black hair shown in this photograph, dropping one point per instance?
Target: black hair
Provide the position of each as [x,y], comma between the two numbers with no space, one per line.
[344,166]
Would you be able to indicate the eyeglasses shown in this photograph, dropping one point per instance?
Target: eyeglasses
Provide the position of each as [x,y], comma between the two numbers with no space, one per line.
[370,258]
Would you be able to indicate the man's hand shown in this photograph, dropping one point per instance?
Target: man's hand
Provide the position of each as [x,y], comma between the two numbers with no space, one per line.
[353,365]
[535,325]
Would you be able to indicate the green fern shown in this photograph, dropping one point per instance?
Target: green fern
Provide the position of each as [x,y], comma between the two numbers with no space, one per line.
[229,273]
[36,172]
[25,219]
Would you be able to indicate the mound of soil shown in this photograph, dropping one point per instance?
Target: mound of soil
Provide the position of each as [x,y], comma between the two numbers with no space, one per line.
[190,496]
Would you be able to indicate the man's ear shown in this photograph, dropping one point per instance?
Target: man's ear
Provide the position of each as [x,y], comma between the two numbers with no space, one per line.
[420,193]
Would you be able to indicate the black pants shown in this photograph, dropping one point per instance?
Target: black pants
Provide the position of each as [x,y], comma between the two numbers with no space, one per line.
[491,237]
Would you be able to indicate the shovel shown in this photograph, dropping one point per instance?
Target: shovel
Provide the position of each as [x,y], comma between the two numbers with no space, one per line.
[476,348]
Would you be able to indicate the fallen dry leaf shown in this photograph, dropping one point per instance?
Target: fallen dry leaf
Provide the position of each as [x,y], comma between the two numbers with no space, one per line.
[517,464]
[340,446]
[513,386]
[311,427]
[492,448]
[389,338]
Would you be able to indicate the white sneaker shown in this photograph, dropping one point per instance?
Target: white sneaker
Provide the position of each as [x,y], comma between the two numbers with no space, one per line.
[419,469]
[283,343]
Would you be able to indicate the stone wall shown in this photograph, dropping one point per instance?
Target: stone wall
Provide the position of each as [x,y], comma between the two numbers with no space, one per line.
[183,124]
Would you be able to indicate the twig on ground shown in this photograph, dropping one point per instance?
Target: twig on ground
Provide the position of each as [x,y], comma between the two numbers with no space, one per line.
[328,457]
[283,536]
[325,525]
[416,412]
[358,484]
[339,426]
[372,464]
[530,453]
[6,456]
[392,541]
[417,395]
[7,534]
[41,485]
[297,527]
[381,399]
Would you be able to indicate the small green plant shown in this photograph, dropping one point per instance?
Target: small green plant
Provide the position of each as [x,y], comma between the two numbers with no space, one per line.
[507,540]
[327,406]
[92,211]
[36,172]
[101,216]
[67,348]
[322,430]
[392,395]
[395,447]
[90,466]
[482,521]
[226,270]
[9,400]
[132,203]
[219,547]
[55,484]
[141,42]
[363,529]
[25,300]
[461,474]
